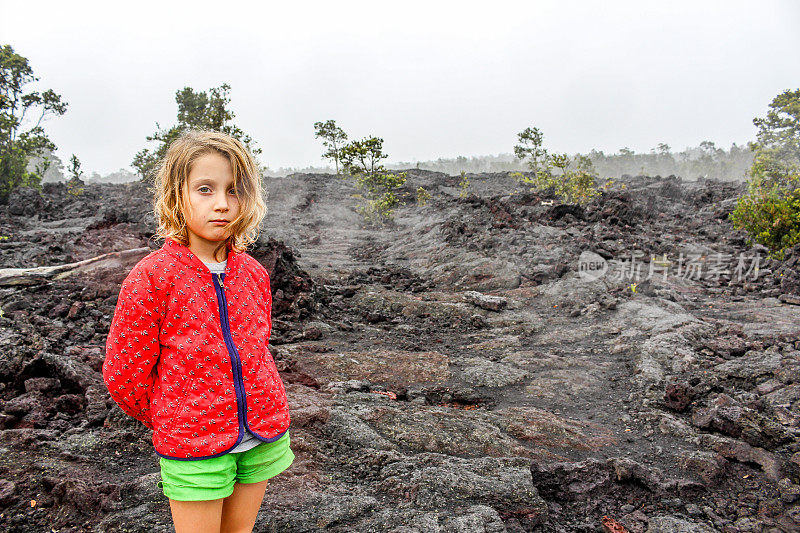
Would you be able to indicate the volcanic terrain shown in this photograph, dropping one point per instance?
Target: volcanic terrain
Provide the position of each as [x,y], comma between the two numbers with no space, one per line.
[458,370]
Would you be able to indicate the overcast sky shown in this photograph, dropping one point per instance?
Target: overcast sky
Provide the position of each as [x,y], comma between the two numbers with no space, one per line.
[433,79]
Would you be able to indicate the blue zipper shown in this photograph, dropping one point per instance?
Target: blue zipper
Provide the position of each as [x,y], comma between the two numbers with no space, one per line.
[236,361]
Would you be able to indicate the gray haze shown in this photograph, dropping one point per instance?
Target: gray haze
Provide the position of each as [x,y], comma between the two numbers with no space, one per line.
[434,79]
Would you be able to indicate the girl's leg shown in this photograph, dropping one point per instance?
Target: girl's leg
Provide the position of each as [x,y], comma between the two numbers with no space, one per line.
[196,517]
[239,510]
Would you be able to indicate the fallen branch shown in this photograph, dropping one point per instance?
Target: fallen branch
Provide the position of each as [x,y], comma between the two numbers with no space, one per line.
[36,275]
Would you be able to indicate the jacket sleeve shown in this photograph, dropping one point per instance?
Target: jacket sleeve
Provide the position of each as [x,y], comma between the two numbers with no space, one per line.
[268,300]
[132,346]
[263,283]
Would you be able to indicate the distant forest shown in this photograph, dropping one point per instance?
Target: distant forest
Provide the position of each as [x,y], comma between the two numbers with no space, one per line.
[58,172]
[704,161]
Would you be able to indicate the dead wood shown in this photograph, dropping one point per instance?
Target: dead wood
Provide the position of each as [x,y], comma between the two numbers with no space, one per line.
[36,275]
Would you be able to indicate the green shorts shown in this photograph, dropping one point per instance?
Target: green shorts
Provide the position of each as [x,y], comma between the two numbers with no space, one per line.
[211,479]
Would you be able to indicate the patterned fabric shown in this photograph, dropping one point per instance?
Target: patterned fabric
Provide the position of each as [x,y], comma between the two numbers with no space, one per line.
[187,355]
[249,441]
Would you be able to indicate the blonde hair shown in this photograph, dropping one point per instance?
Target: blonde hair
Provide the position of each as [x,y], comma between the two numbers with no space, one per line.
[169,201]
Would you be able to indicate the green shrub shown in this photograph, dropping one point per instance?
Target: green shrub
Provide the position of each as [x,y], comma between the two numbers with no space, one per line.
[378,197]
[770,213]
[463,185]
[422,196]
[770,209]
[573,186]
[360,160]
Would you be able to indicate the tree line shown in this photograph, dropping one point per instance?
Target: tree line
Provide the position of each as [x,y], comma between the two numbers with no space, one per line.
[769,211]
[703,161]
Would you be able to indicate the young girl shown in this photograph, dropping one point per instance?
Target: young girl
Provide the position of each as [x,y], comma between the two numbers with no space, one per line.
[187,352]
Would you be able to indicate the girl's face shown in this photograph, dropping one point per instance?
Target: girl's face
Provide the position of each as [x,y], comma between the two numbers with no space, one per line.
[212,204]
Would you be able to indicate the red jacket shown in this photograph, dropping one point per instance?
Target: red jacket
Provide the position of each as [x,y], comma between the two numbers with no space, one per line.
[187,353]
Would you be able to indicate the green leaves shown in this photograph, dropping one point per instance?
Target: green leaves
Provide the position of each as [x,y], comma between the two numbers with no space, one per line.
[332,138]
[379,198]
[571,186]
[196,110]
[422,196]
[530,147]
[463,185]
[22,136]
[363,157]
[770,213]
[777,148]
[74,167]
[361,160]
[770,210]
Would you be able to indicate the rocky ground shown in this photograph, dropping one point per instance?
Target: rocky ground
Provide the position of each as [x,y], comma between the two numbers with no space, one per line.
[457,371]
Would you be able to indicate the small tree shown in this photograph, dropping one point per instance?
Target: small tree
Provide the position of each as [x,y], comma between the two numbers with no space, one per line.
[196,110]
[361,160]
[770,209]
[530,148]
[74,184]
[332,138]
[571,186]
[363,157]
[75,167]
[777,148]
[20,140]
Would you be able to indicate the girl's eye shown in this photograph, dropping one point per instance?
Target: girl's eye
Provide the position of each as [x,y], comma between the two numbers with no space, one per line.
[204,188]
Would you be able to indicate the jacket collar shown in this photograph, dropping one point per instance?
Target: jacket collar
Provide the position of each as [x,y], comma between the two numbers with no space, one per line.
[183,254]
